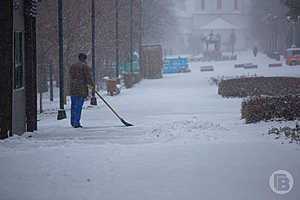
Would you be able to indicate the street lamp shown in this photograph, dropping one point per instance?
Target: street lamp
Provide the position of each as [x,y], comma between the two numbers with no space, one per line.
[141,37]
[93,99]
[131,35]
[61,112]
[117,37]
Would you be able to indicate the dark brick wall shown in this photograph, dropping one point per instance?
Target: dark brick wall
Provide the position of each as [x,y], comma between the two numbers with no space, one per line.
[6,64]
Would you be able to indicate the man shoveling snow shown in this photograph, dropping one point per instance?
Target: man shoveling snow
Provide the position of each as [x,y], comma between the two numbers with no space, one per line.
[80,78]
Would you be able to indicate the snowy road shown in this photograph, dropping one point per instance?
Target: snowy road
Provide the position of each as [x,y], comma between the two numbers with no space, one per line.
[188,143]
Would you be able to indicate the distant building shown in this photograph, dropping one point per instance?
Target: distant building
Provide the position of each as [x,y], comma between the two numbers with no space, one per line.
[199,18]
[18,109]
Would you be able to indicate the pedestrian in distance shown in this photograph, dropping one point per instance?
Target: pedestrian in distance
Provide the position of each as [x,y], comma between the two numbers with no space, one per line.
[80,78]
[255,51]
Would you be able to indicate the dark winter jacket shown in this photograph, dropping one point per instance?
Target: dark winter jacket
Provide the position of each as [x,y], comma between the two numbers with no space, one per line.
[80,78]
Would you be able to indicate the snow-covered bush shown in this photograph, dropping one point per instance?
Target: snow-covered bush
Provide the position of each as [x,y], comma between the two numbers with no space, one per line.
[291,133]
[256,86]
[261,108]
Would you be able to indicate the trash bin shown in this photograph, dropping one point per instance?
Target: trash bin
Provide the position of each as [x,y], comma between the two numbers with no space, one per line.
[128,80]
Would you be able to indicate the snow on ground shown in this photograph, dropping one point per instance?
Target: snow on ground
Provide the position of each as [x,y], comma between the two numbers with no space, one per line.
[187,143]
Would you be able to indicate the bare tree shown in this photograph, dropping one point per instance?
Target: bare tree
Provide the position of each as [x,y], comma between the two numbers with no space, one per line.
[268,24]
[158,20]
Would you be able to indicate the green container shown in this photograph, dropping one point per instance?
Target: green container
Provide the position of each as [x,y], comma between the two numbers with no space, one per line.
[124,68]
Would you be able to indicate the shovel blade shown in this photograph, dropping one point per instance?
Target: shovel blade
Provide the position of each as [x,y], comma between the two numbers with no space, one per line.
[126,123]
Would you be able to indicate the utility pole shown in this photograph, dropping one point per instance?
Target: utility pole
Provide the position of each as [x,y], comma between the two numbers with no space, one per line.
[93,99]
[131,36]
[117,37]
[61,112]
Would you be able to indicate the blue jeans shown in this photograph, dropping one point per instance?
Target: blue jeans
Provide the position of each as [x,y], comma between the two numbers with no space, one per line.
[76,107]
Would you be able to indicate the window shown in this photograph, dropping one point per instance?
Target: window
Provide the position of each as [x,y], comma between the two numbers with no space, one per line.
[18,54]
[236,4]
[219,4]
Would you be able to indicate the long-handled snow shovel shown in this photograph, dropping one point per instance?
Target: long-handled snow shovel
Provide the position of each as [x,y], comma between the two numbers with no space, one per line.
[120,118]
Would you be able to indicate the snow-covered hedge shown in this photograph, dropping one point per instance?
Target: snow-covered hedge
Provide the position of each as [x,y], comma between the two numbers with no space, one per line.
[256,86]
[264,108]
[289,133]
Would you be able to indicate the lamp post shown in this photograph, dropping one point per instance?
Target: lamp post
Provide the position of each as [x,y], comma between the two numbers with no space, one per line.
[51,79]
[61,112]
[141,35]
[131,35]
[117,37]
[93,99]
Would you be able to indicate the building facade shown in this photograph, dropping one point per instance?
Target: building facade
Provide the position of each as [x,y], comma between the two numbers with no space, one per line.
[18,109]
[200,18]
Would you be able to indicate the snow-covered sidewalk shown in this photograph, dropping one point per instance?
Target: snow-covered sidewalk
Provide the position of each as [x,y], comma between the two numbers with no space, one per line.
[187,143]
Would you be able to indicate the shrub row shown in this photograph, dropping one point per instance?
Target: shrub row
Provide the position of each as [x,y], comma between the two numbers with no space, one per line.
[264,108]
[256,86]
[289,133]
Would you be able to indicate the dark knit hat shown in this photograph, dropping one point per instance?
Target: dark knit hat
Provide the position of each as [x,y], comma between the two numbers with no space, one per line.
[82,56]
